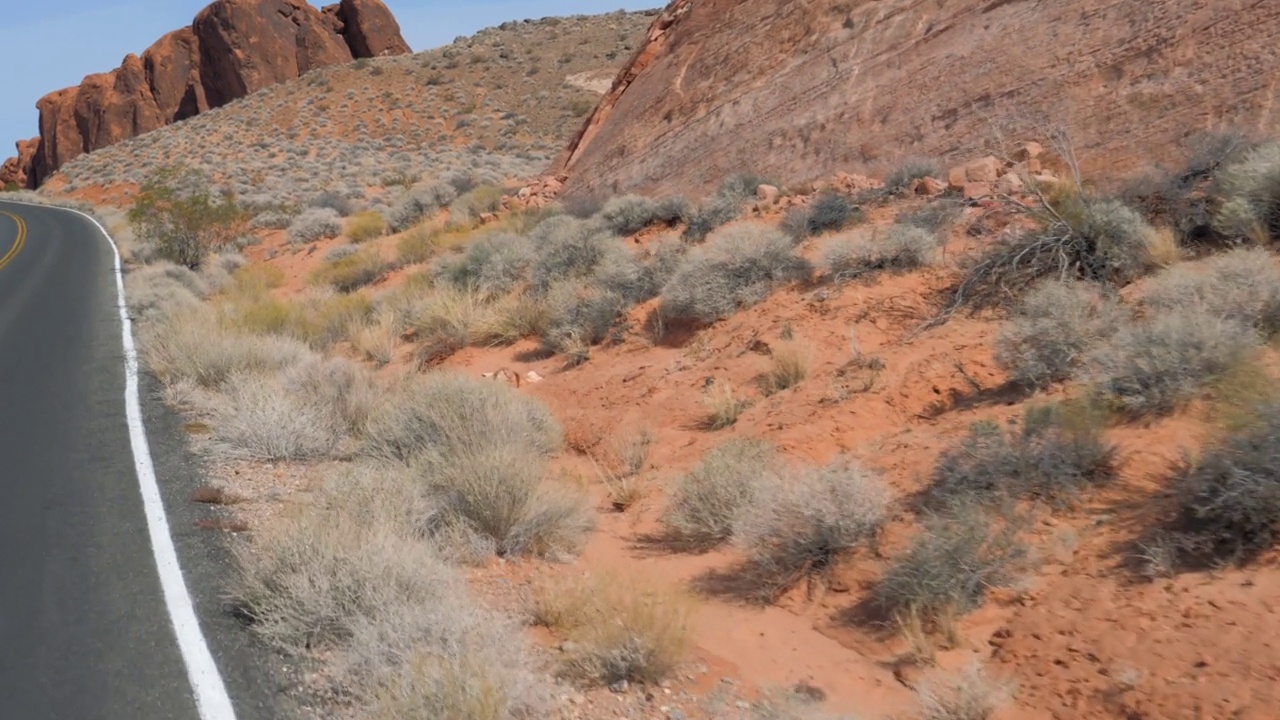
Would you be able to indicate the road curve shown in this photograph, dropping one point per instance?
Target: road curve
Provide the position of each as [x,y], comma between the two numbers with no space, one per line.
[85,632]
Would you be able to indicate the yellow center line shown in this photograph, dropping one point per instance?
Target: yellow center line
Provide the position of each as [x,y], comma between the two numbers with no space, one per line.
[18,243]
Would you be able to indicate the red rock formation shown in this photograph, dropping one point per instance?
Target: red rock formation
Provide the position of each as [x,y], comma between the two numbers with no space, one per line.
[234,48]
[14,170]
[798,89]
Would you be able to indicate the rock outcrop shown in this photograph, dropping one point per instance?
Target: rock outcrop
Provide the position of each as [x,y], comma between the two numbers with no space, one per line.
[234,48]
[798,89]
[14,170]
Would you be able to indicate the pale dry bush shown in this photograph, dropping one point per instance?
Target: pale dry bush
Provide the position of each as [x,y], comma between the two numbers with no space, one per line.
[1251,195]
[1242,285]
[707,500]
[192,345]
[492,265]
[1053,328]
[723,406]
[315,224]
[512,318]
[260,418]
[376,339]
[966,695]
[620,628]
[788,366]
[799,522]
[859,255]
[158,290]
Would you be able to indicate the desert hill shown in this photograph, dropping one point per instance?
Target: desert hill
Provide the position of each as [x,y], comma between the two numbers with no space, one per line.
[498,104]
[798,90]
[232,49]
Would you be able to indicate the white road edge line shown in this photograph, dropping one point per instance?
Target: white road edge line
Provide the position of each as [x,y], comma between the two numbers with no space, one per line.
[212,700]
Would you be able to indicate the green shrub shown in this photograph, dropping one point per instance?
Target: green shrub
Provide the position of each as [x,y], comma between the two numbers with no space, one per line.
[1056,452]
[366,226]
[178,216]
[1052,329]
[738,268]
[708,500]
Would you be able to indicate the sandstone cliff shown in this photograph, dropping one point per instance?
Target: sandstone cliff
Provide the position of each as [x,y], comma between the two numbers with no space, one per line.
[234,48]
[797,89]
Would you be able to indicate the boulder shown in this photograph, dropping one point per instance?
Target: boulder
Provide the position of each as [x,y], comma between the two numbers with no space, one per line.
[984,170]
[14,170]
[976,190]
[369,28]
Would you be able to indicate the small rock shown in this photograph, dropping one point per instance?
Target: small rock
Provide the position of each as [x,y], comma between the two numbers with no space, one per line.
[1029,150]
[619,686]
[975,190]
[986,170]
[578,699]
[928,186]
[957,177]
[1009,183]
[767,194]
[532,376]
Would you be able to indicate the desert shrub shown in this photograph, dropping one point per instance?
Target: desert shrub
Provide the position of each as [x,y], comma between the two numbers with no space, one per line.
[742,186]
[260,417]
[492,265]
[827,212]
[1056,452]
[317,317]
[337,252]
[1228,499]
[960,554]
[417,203]
[661,260]
[798,523]
[176,214]
[711,214]
[315,224]
[441,413]
[1242,286]
[191,345]
[723,406]
[416,245]
[1251,195]
[512,318]
[333,200]
[366,226]
[342,386]
[965,695]
[618,628]
[353,271]
[1052,330]
[901,248]
[580,314]
[477,201]
[708,499]
[271,220]
[568,248]
[1151,368]
[1078,238]
[629,214]
[1185,200]
[934,216]
[161,288]
[445,320]
[376,340]
[909,170]
[737,268]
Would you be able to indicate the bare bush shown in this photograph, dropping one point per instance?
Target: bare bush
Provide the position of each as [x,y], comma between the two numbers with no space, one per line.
[707,500]
[1052,329]
[1151,368]
[260,418]
[1241,286]
[1056,452]
[799,523]
[737,268]
[900,249]
[909,170]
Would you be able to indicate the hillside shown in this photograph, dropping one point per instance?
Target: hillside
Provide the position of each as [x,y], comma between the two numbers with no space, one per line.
[799,90]
[233,48]
[498,104]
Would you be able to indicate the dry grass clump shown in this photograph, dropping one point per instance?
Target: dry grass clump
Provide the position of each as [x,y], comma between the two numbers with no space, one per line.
[353,271]
[966,695]
[512,318]
[445,321]
[723,406]
[366,226]
[468,208]
[376,339]
[315,224]
[617,628]
[492,265]
[1250,189]
[191,345]
[1242,286]
[1153,367]
[1052,329]
[160,289]
[798,523]
[907,171]
[707,500]
[961,552]
[737,268]
[1056,452]
[901,248]
[318,317]
[1228,499]
[579,315]
[788,367]
[417,245]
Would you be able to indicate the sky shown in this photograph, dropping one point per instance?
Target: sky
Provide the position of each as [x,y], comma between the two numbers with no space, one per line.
[52,44]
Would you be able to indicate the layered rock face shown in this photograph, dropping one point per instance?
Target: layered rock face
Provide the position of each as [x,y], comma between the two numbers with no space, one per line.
[234,48]
[798,89]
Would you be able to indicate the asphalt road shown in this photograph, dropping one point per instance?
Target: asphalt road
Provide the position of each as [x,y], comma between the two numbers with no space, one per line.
[85,633]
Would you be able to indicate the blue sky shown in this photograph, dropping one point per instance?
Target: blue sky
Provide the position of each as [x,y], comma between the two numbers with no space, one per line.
[52,44]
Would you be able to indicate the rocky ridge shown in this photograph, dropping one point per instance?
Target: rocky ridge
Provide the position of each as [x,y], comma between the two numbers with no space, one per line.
[232,49]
